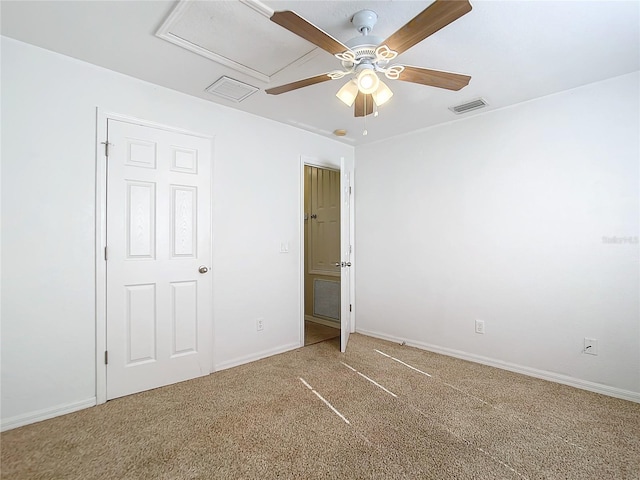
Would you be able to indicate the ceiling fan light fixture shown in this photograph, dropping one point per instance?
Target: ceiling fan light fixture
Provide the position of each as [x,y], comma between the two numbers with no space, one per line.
[382,94]
[347,94]
[368,80]
[365,56]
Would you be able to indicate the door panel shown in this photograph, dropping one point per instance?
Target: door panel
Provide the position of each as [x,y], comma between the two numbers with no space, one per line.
[184,317]
[158,235]
[140,333]
[141,214]
[183,221]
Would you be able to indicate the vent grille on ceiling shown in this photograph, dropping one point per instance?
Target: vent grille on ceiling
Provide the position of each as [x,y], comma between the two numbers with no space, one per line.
[231,89]
[467,107]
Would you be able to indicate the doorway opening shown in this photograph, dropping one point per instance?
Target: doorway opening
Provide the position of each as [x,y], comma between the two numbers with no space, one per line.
[321,254]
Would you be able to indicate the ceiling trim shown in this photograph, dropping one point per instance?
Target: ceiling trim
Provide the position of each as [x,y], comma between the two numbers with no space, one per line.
[259,7]
[177,13]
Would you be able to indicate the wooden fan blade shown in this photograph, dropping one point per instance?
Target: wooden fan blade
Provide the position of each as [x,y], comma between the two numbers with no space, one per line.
[301,27]
[299,84]
[434,78]
[436,16]
[363,105]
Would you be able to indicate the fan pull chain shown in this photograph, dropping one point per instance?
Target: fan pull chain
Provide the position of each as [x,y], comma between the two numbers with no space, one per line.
[364,119]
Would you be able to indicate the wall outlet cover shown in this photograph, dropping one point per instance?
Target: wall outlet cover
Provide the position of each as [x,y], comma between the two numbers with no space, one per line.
[590,346]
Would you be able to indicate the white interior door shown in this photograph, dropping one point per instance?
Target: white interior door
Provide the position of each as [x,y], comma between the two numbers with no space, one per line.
[159,288]
[346,175]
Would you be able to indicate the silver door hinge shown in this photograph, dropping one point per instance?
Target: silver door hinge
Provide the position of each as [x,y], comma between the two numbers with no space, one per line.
[106,148]
[349,189]
[106,357]
[350,248]
[349,307]
[105,254]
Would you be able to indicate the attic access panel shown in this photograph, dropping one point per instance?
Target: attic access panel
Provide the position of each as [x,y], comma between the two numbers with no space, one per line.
[234,34]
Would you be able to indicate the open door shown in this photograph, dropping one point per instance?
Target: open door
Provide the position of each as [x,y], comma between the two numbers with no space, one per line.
[346,175]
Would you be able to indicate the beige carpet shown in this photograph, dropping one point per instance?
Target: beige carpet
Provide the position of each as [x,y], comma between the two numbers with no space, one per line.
[260,421]
[315,332]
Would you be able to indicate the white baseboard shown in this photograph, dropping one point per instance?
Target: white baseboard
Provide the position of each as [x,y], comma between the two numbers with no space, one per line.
[254,356]
[322,321]
[531,372]
[45,414]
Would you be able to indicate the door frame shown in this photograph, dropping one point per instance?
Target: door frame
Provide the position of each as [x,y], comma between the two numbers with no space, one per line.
[322,163]
[102,118]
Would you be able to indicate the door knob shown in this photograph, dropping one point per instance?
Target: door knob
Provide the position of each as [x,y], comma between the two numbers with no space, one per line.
[343,264]
[203,269]
[337,264]
[313,215]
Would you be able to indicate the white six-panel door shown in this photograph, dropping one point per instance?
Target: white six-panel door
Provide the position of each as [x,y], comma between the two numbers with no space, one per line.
[159,284]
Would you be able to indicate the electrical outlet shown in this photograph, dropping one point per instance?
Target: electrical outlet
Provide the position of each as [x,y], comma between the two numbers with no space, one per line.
[480,326]
[260,324]
[590,346]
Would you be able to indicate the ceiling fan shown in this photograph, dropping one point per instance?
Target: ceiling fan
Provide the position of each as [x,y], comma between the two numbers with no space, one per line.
[365,56]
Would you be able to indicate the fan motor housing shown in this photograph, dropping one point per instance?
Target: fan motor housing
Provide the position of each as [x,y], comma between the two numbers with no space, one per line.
[364,48]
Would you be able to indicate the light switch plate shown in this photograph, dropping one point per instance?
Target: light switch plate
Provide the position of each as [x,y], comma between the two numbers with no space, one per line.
[590,346]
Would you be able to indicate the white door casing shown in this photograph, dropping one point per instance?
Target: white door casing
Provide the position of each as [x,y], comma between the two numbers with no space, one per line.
[158,223]
[346,175]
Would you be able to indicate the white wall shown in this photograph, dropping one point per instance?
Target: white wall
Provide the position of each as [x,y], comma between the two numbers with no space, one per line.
[48,223]
[501,217]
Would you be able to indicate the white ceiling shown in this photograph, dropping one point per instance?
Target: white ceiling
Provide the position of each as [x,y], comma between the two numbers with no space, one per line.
[513,50]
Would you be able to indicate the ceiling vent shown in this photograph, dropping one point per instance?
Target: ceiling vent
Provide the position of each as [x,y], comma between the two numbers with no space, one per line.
[231,89]
[467,107]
